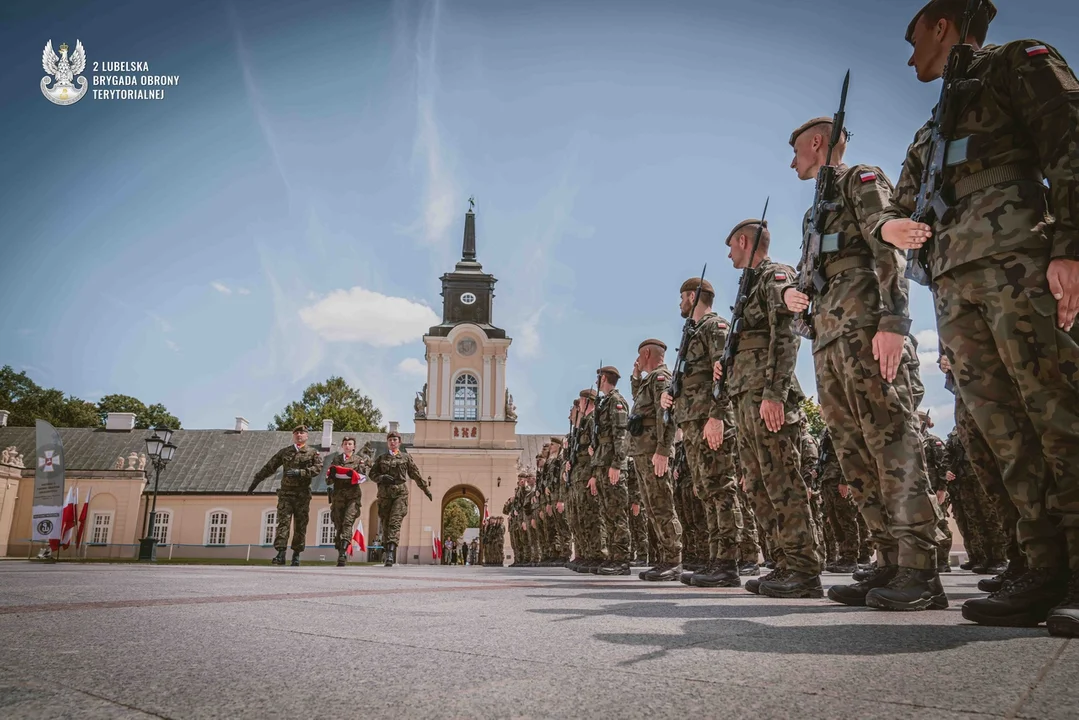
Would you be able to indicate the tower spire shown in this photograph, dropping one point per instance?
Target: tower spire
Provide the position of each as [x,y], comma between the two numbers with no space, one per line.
[468,249]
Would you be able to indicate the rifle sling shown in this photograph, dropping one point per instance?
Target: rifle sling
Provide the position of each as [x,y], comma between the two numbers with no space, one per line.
[842,265]
[994,176]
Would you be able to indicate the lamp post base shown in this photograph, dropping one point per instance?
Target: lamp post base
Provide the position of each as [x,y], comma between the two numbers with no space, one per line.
[148,549]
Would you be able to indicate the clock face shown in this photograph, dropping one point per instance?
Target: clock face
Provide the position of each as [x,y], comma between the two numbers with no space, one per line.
[468,298]
[466,347]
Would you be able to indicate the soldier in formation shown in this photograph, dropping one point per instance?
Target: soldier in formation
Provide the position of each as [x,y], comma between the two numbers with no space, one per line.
[392,471]
[347,470]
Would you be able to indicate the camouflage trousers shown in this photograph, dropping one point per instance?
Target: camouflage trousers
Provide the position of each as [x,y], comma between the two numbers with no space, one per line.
[658,496]
[984,495]
[749,549]
[344,510]
[841,517]
[780,498]
[392,507]
[638,533]
[614,505]
[292,505]
[1019,375]
[565,537]
[713,481]
[690,512]
[944,547]
[872,423]
[493,549]
[589,512]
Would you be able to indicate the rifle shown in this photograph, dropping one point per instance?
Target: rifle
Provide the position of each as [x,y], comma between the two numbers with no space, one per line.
[810,278]
[730,347]
[595,415]
[822,457]
[675,388]
[931,206]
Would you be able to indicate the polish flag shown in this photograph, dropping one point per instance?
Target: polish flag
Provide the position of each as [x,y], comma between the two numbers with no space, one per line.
[867,176]
[436,547]
[1037,50]
[82,518]
[486,513]
[358,539]
[68,518]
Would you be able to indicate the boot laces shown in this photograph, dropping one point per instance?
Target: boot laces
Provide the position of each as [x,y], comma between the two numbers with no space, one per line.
[902,577]
[1016,585]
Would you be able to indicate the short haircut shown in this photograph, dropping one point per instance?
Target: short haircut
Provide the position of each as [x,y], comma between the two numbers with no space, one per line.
[952,11]
[611,378]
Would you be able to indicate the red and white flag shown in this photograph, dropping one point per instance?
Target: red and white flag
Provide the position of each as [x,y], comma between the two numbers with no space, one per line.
[82,518]
[358,539]
[436,547]
[68,518]
[486,513]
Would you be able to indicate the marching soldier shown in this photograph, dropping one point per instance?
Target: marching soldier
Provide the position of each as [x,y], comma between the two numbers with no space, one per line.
[392,470]
[1002,268]
[767,400]
[301,464]
[588,501]
[609,468]
[860,351]
[347,470]
[710,441]
[652,445]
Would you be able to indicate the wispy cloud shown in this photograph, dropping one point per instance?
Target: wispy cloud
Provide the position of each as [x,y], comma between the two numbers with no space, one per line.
[171,345]
[162,323]
[221,288]
[413,367]
[293,349]
[243,291]
[360,315]
[528,337]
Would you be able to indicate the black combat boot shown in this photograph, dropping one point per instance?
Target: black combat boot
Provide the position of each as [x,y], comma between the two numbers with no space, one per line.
[295,559]
[753,585]
[966,565]
[749,568]
[980,569]
[855,593]
[390,554]
[614,567]
[724,573]
[686,576]
[770,564]
[996,567]
[342,558]
[864,573]
[279,558]
[943,568]
[1063,620]
[910,589]
[843,567]
[793,585]
[1009,574]
[664,572]
[1023,602]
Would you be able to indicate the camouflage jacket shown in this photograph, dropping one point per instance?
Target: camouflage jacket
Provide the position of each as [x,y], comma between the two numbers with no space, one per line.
[914,371]
[658,437]
[1023,116]
[935,461]
[612,415]
[399,468]
[810,453]
[955,457]
[583,462]
[767,345]
[632,484]
[359,462]
[829,474]
[300,466]
[696,402]
[865,283]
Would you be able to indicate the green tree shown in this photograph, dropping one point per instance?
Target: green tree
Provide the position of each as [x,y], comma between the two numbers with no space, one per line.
[454,522]
[813,414]
[350,410]
[470,511]
[155,415]
[27,401]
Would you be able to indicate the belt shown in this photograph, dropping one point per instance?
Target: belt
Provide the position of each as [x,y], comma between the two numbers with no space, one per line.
[754,342]
[842,265]
[696,379]
[994,176]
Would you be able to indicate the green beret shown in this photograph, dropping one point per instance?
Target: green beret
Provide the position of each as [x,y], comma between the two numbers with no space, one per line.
[652,341]
[810,123]
[739,226]
[691,285]
[986,6]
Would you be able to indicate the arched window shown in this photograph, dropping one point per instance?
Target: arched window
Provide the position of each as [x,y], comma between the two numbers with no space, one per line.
[325,528]
[269,526]
[217,527]
[466,397]
[162,520]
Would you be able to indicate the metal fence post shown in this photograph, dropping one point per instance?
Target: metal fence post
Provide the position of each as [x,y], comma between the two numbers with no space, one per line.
[248,554]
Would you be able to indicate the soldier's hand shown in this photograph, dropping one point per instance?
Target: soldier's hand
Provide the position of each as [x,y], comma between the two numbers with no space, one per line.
[906,234]
[717,371]
[949,476]
[592,486]
[636,368]
[659,464]
[613,474]
[666,401]
[888,349]
[635,509]
[1063,277]
[743,482]
[941,496]
[844,491]
[795,301]
[772,414]
[561,506]
[713,433]
[591,451]
[945,364]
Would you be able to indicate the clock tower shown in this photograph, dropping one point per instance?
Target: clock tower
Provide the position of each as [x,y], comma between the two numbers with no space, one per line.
[465,402]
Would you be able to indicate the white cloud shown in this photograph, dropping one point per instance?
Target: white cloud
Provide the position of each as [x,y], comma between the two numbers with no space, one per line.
[528,338]
[927,361]
[243,291]
[943,417]
[359,315]
[221,288]
[161,322]
[172,346]
[927,340]
[412,366]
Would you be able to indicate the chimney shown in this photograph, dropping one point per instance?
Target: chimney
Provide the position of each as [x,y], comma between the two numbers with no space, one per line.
[327,434]
[393,426]
[241,424]
[120,421]
[3,418]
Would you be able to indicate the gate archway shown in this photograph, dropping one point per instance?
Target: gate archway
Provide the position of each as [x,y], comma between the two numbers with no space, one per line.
[458,492]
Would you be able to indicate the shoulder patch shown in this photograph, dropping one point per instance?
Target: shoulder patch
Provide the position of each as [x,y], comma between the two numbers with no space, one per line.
[619,406]
[781,276]
[1036,50]
[867,176]
[721,325]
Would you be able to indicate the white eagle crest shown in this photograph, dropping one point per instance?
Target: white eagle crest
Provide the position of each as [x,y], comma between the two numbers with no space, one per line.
[66,72]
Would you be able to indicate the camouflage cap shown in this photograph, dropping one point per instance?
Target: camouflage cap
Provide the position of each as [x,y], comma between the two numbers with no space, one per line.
[986,5]
[299,429]
[589,394]
[609,370]
[739,226]
[810,123]
[691,285]
[652,341]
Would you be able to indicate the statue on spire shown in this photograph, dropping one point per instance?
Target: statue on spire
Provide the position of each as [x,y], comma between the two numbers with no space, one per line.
[471,203]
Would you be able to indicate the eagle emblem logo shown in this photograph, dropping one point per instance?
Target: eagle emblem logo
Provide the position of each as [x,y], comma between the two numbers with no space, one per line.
[64,70]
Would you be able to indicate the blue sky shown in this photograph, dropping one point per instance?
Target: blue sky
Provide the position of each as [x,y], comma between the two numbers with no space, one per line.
[284,214]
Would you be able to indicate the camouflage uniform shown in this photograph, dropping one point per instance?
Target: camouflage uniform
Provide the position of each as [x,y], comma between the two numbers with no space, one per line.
[392,472]
[345,495]
[872,422]
[690,511]
[841,515]
[588,505]
[972,524]
[300,466]
[611,417]
[749,549]
[934,463]
[656,437]
[810,453]
[764,370]
[1014,368]
[509,509]
[493,536]
[638,524]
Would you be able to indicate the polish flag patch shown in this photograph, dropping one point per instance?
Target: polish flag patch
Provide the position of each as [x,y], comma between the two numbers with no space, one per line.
[781,277]
[867,177]
[1037,50]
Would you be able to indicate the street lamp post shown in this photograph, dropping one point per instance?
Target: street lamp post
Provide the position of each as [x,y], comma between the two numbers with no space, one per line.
[160,449]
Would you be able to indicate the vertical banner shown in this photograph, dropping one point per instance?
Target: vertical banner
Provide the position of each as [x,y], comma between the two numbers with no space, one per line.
[48,484]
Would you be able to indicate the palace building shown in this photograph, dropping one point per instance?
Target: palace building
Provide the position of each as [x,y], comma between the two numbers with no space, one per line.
[465,443]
